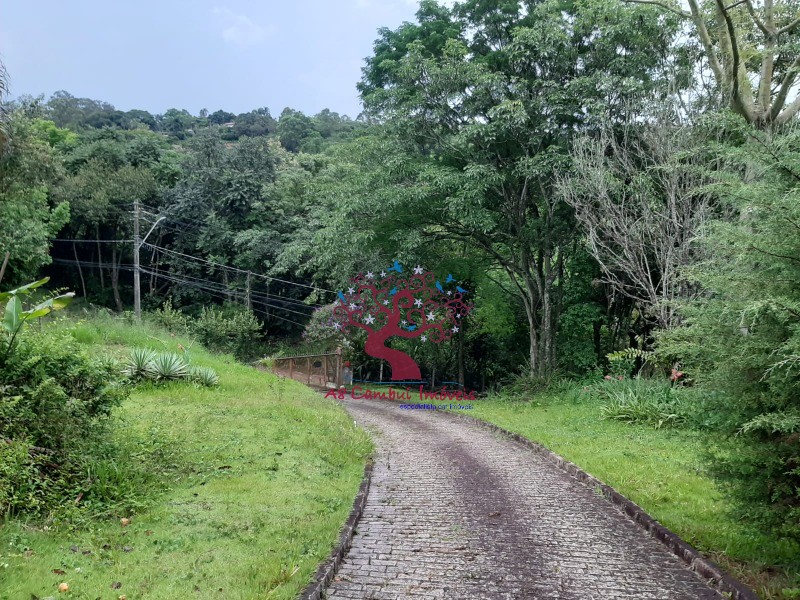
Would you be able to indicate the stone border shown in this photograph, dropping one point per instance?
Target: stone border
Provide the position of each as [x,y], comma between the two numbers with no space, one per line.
[708,570]
[326,571]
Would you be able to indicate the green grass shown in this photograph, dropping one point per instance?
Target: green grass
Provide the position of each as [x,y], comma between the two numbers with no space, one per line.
[254,480]
[662,470]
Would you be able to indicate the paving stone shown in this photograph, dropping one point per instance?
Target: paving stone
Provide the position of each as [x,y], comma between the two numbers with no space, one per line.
[457,511]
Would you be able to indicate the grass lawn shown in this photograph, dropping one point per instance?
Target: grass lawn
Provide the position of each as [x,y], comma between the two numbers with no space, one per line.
[254,480]
[663,471]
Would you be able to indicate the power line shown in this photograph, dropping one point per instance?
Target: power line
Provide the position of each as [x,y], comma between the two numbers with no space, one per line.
[213,290]
[219,288]
[267,277]
[94,241]
[222,294]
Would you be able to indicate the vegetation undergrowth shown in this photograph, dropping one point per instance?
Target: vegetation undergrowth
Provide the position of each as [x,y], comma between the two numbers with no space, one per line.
[233,491]
[659,463]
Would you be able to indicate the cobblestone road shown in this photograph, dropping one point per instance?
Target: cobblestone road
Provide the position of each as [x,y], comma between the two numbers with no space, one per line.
[457,511]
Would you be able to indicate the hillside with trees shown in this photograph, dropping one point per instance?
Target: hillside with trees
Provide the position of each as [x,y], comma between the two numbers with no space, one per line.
[616,182]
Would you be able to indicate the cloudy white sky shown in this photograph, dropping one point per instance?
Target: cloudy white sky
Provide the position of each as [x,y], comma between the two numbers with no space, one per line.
[160,54]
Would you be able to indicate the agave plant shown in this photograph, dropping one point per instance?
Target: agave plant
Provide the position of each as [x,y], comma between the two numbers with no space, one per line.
[167,366]
[139,363]
[204,376]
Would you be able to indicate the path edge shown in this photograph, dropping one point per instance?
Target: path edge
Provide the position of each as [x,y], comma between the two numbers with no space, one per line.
[327,569]
[714,575]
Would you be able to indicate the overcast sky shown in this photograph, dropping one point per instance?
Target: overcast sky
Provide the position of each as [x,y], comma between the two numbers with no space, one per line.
[193,54]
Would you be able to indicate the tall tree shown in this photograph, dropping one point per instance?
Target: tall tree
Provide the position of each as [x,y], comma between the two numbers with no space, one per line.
[639,192]
[753,51]
[491,103]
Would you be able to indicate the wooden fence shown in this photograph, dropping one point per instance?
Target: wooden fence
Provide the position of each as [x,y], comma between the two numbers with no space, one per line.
[318,370]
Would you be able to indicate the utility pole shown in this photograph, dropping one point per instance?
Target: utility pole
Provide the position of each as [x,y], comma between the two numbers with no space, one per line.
[137,274]
[249,302]
[137,277]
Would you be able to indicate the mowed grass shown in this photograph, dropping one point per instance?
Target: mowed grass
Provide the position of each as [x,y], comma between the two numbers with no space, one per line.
[662,470]
[254,480]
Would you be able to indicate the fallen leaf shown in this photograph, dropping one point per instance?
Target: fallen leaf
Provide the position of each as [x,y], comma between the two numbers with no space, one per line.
[73,548]
[125,522]
[127,548]
[116,585]
[149,532]
[59,572]
[63,587]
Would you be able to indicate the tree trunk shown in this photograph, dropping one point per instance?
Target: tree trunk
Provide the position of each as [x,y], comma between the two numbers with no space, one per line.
[100,257]
[115,278]
[461,369]
[403,366]
[80,271]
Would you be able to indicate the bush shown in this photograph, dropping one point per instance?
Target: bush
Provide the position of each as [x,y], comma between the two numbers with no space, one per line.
[231,330]
[647,402]
[167,366]
[203,376]
[55,398]
[171,318]
[140,363]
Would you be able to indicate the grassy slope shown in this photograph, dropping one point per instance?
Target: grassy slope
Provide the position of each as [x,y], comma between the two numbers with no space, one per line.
[262,473]
[662,471]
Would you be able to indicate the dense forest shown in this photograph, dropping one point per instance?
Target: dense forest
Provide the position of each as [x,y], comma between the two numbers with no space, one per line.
[616,183]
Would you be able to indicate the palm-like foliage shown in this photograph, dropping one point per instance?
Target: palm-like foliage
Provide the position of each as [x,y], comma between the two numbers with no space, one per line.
[204,376]
[167,366]
[139,363]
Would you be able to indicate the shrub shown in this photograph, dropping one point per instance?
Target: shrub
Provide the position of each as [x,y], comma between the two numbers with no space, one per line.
[647,402]
[171,318]
[203,376]
[167,366]
[55,398]
[231,330]
[140,363]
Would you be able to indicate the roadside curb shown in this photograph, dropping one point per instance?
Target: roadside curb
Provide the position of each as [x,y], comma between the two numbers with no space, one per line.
[327,570]
[708,570]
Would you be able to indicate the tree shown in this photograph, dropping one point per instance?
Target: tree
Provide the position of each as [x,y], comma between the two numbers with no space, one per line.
[640,194]
[489,106]
[3,111]
[745,42]
[177,122]
[68,111]
[293,128]
[413,306]
[29,170]
[220,116]
[740,340]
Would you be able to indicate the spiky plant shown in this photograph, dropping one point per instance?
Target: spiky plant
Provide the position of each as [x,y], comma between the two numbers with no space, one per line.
[139,363]
[167,366]
[204,376]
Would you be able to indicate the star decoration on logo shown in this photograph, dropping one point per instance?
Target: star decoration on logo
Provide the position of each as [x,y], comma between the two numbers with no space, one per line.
[403,322]
[351,291]
[383,273]
[417,302]
[337,325]
[449,293]
[418,270]
[353,306]
[431,316]
[458,315]
[455,329]
[370,275]
[386,302]
[424,338]
[369,320]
